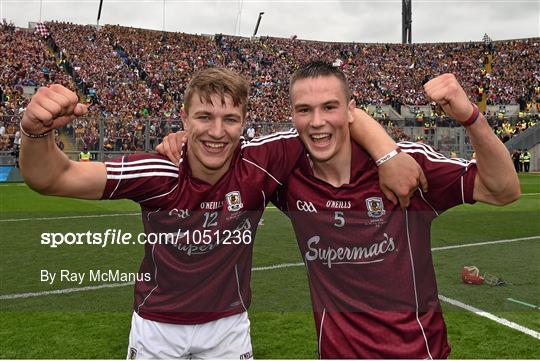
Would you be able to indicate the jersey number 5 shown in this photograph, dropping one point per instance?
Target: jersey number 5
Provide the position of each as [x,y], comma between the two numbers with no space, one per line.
[339,219]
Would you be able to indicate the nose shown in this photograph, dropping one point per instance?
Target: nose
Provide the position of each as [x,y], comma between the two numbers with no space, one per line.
[217,129]
[318,119]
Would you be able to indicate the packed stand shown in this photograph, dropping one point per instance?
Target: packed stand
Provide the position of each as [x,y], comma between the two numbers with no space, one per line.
[139,76]
[25,65]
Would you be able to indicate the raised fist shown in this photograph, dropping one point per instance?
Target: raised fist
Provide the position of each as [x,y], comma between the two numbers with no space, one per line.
[446,91]
[51,108]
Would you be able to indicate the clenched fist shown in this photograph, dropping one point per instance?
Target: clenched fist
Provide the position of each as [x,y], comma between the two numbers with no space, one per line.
[51,108]
[446,91]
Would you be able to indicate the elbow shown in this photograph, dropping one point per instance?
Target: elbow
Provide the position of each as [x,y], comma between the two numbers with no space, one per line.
[509,198]
[510,194]
[34,183]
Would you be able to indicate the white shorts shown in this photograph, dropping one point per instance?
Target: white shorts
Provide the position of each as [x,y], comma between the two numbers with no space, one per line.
[226,338]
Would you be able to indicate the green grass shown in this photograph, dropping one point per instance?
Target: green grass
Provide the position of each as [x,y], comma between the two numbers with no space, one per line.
[95,324]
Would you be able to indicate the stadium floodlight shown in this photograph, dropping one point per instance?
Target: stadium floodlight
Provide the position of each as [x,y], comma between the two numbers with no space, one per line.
[99,11]
[258,22]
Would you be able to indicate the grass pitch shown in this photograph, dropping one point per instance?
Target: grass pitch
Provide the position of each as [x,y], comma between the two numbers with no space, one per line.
[95,323]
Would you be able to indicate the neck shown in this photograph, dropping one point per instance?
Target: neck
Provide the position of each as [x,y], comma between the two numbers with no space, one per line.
[337,170]
[210,176]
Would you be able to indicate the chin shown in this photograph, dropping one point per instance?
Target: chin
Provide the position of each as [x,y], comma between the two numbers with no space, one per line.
[213,165]
[320,156]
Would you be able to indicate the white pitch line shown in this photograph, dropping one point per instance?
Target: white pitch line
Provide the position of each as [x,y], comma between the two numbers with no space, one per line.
[261,268]
[75,217]
[492,317]
[70,217]
[63,291]
[530,194]
[484,243]
[276,266]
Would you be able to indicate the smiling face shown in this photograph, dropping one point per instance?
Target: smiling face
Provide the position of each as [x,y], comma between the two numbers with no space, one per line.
[213,131]
[214,114]
[322,114]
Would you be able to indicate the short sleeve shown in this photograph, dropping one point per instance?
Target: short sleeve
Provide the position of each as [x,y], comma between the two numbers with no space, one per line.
[277,154]
[139,177]
[450,181]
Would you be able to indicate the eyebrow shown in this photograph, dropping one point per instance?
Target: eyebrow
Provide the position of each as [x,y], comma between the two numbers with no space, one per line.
[330,102]
[228,115]
[201,112]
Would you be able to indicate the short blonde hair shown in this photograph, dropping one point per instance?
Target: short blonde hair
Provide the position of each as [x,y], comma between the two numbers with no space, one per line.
[217,81]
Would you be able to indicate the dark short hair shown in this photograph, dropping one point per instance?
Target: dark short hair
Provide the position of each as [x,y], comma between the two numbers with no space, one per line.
[316,69]
[217,81]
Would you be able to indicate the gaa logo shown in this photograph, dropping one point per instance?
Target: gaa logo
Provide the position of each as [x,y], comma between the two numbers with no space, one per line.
[305,206]
[375,207]
[234,201]
[182,213]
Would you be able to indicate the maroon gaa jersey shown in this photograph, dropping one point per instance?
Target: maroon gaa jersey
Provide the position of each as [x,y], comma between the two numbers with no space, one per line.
[369,263]
[200,270]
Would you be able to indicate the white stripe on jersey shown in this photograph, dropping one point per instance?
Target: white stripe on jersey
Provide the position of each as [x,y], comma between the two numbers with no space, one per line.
[140,161]
[430,153]
[160,195]
[429,204]
[140,167]
[426,147]
[414,282]
[270,138]
[142,175]
[435,160]
[320,332]
[117,184]
[155,279]
[264,170]
[238,287]
[274,135]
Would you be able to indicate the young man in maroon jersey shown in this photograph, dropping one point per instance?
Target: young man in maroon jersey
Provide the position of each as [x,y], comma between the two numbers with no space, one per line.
[192,298]
[369,264]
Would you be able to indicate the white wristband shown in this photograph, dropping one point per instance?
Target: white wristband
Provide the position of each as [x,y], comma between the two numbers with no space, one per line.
[33,136]
[388,156]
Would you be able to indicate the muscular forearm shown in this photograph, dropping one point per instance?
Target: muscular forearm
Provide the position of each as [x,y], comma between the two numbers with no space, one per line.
[367,132]
[495,168]
[42,163]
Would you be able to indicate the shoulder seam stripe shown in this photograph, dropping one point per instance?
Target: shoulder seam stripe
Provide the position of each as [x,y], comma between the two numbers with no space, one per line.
[429,157]
[273,135]
[252,144]
[264,170]
[160,195]
[429,204]
[119,180]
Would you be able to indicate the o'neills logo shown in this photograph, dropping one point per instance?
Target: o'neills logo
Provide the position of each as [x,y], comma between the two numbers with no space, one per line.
[349,255]
[212,205]
[338,204]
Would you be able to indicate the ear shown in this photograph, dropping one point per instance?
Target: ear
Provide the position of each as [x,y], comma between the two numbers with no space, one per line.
[350,108]
[244,121]
[184,117]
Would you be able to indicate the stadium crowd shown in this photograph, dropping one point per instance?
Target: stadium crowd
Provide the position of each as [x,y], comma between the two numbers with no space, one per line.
[139,76]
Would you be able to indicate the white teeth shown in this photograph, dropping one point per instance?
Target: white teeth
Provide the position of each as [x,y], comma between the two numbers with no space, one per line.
[214,145]
[319,136]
